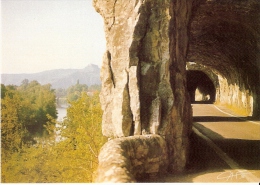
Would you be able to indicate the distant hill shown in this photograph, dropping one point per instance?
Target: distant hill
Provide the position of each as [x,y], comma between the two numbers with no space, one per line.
[58,78]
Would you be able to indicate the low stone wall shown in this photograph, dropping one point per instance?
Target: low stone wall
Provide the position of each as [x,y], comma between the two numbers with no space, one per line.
[131,158]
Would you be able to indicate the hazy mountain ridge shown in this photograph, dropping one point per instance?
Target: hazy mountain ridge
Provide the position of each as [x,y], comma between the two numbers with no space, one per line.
[58,78]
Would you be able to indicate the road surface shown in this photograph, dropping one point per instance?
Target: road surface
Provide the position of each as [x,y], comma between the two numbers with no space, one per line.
[225,147]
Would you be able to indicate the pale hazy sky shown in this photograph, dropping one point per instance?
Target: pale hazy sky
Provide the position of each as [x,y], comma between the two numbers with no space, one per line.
[40,35]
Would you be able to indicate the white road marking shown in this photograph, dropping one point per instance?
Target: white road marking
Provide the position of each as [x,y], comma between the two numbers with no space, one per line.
[235,116]
[250,177]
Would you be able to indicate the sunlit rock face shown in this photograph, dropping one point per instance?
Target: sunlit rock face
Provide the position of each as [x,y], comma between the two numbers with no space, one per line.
[225,39]
[132,158]
[143,73]
[149,42]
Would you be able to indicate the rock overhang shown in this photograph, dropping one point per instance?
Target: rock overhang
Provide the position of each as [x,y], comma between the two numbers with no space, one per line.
[143,71]
[225,38]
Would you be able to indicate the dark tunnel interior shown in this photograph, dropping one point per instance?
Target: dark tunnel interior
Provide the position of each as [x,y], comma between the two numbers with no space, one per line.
[198,80]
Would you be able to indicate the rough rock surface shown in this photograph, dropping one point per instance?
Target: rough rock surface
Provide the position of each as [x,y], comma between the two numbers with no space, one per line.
[225,37]
[149,42]
[131,158]
[144,64]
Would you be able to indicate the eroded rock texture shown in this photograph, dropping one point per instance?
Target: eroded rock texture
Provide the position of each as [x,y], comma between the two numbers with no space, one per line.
[130,159]
[143,72]
[225,40]
[149,43]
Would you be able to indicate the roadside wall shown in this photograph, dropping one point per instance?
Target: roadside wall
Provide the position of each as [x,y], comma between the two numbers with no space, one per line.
[129,159]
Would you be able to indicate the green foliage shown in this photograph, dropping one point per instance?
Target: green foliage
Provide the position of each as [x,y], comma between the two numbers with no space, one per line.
[72,159]
[25,110]
[83,135]
[61,92]
[74,92]
[13,133]
[3,91]
[37,101]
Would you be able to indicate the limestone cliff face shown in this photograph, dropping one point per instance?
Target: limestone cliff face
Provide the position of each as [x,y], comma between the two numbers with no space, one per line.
[181,113]
[144,85]
[119,73]
[143,72]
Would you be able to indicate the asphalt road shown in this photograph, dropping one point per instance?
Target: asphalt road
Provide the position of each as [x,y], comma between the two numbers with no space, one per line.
[225,147]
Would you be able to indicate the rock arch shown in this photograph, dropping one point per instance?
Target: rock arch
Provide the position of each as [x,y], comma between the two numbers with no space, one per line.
[198,80]
[224,38]
[149,44]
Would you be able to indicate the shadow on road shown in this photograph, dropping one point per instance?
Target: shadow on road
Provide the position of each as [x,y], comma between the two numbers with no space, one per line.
[202,102]
[217,119]
[245,152]
[222,119]
[202,162]
[204,165]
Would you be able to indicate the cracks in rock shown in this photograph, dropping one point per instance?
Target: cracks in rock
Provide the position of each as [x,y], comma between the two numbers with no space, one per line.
[129,99]
[114,17]
[161,37]
[110,68]
[137,47]
[141,31]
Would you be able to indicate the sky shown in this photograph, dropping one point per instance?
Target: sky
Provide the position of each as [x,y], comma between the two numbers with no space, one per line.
[39,35]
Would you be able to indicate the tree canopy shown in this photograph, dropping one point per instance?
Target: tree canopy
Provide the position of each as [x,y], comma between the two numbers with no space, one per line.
[29,111]
[25,110]
[74,92]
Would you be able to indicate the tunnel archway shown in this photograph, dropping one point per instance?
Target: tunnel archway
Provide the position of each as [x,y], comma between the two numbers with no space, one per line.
[199,81]
[224,37]
[144,84]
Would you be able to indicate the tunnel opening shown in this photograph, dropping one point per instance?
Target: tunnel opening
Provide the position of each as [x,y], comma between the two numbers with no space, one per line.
[224,37]
[200,87]
[148,86]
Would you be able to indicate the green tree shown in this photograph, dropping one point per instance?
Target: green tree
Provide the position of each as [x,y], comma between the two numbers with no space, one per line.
[3,91]
[38,101]
[25,83]
[83,133]
[74,92]
[25,110]
[61,92]
[72,159]
[13,133]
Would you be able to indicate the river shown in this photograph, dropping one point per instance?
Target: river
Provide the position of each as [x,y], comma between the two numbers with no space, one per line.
[62,112]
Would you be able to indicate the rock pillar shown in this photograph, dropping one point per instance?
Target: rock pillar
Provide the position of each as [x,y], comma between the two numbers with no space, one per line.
[143,73]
